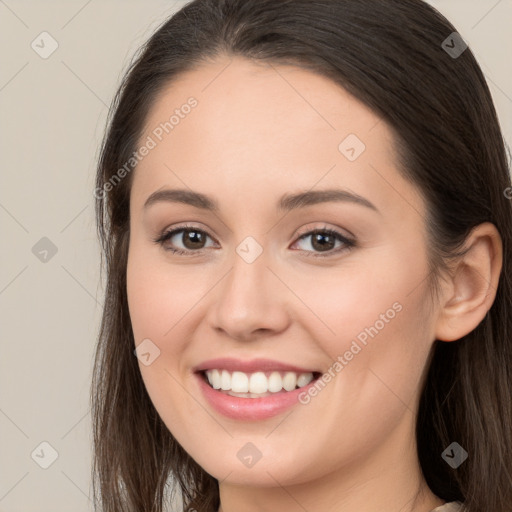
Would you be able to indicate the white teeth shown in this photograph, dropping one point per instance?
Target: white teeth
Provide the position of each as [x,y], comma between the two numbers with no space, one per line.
[289,381]
[303,379]
[239,382]
[214,379]
[225,380]
[257,383]
[275,382]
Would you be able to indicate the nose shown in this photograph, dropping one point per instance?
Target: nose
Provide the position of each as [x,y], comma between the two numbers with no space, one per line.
[250,301]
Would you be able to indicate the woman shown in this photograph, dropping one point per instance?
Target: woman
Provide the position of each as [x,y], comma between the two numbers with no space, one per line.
[304,211]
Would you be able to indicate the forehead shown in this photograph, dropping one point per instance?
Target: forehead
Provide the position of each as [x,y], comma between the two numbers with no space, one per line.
[255,124]
[237,96]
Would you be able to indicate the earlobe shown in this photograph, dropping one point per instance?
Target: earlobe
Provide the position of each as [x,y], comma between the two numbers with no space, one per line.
[473,284]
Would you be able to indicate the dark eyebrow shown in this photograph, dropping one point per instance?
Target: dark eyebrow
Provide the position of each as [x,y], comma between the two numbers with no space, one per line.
[286,203]
[291,201]
[182,196]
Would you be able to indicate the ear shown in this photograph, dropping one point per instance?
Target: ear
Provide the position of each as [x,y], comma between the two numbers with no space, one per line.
[471,288]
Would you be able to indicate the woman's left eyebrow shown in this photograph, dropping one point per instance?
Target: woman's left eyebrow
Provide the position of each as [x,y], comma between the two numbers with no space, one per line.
[291,201]
[286,203]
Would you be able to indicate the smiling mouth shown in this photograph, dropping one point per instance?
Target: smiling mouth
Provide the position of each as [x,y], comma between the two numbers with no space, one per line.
[256,384]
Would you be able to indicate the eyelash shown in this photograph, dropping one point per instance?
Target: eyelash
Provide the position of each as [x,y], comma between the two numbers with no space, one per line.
[348,243]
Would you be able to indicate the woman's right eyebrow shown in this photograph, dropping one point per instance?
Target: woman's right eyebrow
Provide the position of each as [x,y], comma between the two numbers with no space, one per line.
[190,197]
[287,202]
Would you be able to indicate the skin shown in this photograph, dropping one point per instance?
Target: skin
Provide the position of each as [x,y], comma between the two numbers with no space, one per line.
[259,132]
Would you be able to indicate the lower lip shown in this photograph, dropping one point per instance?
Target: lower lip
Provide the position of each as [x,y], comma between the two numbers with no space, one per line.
[240,408]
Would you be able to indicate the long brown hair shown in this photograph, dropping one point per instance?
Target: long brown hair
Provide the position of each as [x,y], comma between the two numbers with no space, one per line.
[389,55]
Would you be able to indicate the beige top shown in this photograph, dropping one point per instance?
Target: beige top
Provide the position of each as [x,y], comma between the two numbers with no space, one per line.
[452,506]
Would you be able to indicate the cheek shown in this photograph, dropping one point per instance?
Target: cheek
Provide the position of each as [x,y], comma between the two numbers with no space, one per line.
[369,292]
[159,300]
[373,316]
[159,297]
[166,303]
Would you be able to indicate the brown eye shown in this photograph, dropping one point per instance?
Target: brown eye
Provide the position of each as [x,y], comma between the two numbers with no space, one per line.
[324,241]
[191,240]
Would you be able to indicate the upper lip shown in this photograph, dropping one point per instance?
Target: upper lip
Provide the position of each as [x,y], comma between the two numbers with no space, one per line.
[254,365]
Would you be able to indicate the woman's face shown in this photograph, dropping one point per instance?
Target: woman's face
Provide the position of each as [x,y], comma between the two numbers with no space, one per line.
[256,283]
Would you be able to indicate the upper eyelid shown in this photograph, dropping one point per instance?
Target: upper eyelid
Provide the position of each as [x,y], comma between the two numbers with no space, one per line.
[177,229]
[301,233]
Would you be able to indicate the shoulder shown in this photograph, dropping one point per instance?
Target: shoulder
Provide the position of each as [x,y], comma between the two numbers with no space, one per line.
[452,506]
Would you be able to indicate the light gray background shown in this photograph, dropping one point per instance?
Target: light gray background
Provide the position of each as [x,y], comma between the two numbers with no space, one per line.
[53,114]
